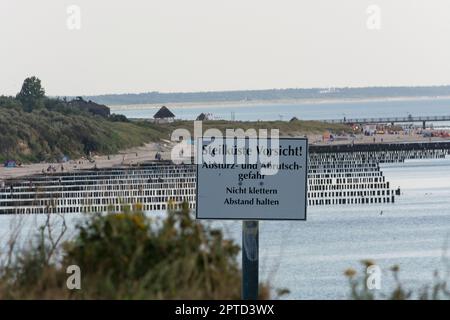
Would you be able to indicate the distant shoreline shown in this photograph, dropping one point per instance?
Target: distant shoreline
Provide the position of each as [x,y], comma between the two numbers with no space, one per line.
[252,103]
[124,157]
[147,152]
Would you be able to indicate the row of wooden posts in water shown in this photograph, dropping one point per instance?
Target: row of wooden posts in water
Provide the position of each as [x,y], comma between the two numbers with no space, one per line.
[336,176]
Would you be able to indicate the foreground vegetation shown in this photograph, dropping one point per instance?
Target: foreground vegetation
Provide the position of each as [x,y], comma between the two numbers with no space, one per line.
[36,128]
[127,256]
[131,256]
[438,290]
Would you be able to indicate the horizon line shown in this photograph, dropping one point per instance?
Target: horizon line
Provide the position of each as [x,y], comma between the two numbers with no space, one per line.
[256,90]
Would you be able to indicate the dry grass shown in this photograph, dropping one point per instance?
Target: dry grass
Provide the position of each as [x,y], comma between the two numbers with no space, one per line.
[286,128]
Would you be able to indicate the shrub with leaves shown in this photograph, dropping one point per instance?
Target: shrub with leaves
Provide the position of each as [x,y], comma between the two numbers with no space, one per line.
[131,256]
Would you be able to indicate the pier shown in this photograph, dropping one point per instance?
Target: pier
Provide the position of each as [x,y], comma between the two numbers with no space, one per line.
[380,147]
[351,173]
[150,187]
[337,175]
[391,120]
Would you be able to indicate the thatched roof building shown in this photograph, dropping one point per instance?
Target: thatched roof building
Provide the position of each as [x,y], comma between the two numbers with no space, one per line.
[164,115]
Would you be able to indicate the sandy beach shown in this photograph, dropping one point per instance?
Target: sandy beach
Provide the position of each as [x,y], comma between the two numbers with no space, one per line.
[125,157]
[148,152]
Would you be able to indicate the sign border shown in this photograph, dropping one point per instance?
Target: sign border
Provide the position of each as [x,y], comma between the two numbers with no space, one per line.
[260,219]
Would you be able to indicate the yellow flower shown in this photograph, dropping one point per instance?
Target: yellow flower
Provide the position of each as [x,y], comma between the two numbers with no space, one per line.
[395,268]
[139,221]
[368,262]
[120,216]
[138,207]
[350,273]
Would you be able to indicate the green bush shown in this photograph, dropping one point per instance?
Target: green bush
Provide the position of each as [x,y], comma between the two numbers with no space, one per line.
[131,256]
[44,135]
[35,128]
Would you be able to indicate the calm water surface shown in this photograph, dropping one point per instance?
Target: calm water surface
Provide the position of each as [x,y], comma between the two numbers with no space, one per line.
[305,111]
[310,257]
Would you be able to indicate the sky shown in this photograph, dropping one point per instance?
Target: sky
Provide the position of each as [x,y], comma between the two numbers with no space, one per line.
[118,46]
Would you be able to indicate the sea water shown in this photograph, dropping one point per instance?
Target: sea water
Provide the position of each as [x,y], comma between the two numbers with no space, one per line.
[309,258]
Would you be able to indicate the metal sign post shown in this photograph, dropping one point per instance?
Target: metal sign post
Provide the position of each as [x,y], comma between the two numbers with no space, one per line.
[250,260]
